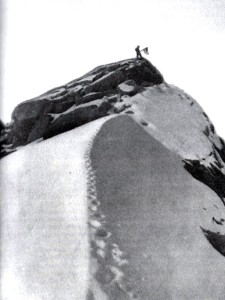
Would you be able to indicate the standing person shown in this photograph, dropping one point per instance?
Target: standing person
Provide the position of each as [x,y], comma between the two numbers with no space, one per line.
[138,52]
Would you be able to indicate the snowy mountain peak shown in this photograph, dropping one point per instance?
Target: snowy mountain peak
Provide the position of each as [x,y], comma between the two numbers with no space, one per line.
[133,87]
[117,187]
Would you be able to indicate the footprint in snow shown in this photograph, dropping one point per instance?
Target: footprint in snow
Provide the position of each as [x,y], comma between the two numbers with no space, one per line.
[95,223]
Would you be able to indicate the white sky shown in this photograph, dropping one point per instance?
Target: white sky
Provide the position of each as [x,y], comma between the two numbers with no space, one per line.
[47,43]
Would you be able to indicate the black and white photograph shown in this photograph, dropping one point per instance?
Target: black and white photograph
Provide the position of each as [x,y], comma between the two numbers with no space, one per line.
[112,149]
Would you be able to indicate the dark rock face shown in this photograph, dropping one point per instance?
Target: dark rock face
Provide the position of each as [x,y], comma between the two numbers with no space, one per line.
[2,136]
[34,119]
[2,125]
[39,128]
[213,176]
[217,240]
[76,117]
[210,176]
[107,82]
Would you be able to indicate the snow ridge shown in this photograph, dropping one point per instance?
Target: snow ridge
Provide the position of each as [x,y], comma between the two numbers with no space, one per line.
[106,259]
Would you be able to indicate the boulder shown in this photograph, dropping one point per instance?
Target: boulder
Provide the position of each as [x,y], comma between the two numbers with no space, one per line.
[28,109]
[77,117]
[39,128]
[20,131]
[107,82]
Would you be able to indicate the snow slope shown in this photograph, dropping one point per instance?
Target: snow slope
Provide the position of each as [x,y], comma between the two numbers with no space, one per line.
[153,211]
[144,211]
[44,234]
[174,118]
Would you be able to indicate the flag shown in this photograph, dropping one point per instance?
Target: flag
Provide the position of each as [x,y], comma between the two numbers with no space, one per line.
[145,50]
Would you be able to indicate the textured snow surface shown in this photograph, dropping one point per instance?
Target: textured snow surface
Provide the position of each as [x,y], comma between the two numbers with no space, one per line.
[154,211]
[173,118]
[44,232]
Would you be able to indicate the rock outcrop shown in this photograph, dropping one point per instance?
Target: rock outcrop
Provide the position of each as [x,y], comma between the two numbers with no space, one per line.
[62,108]
[2,136]
[2,125]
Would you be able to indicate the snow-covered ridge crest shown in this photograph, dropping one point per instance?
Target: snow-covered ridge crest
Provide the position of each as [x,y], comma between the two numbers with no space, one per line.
[134,87]
[99,93]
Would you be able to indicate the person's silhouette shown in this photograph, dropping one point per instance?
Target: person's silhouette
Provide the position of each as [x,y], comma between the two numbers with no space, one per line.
[138,52]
